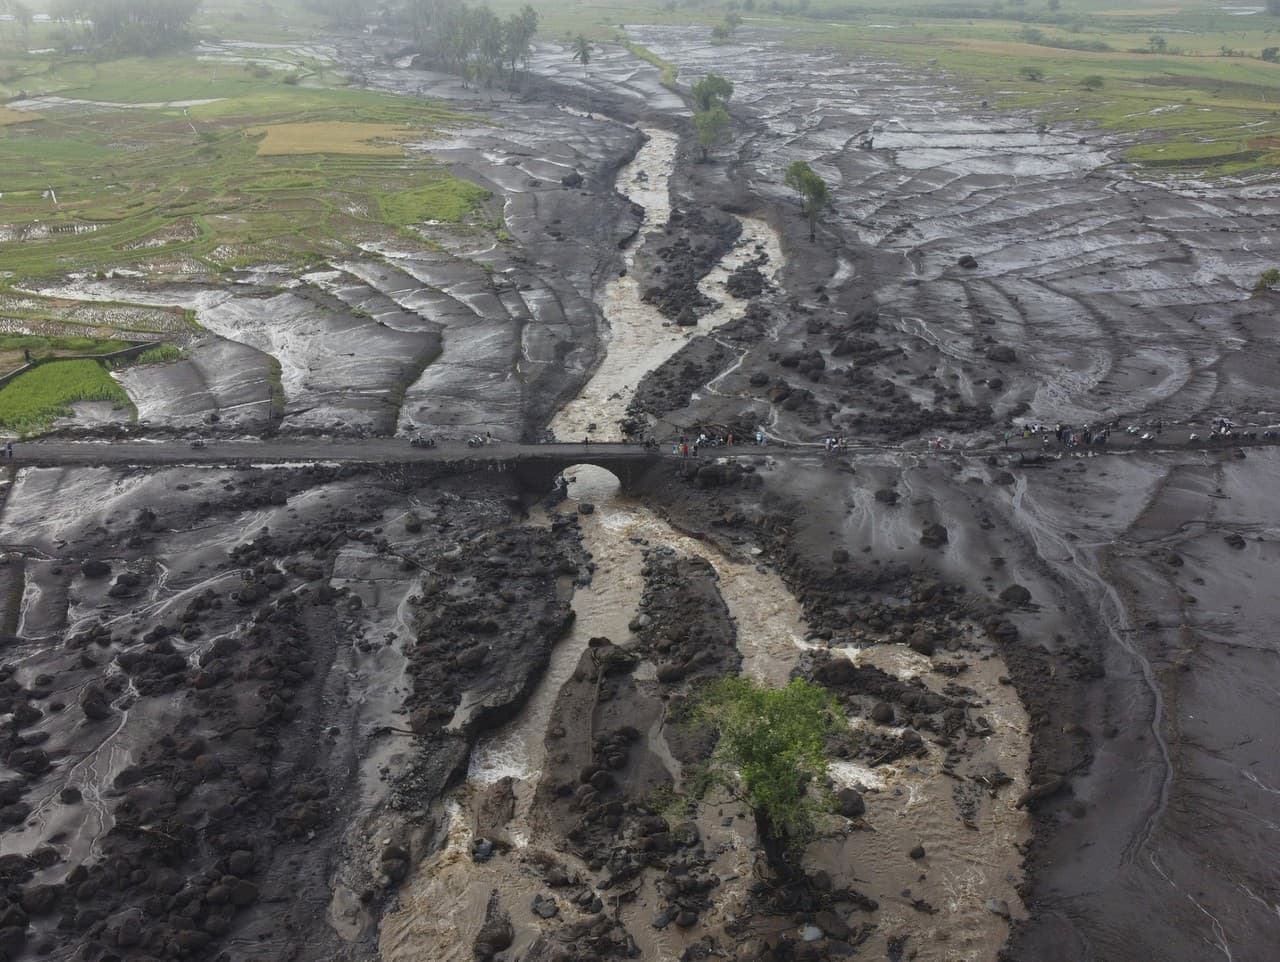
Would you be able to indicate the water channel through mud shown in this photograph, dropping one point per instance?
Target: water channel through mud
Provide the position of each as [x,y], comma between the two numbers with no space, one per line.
[639,339]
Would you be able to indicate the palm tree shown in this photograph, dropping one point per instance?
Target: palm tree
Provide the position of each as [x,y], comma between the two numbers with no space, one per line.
[582,54]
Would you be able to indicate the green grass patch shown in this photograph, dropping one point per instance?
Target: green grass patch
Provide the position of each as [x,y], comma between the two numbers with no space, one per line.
[160,354]
[185,190]
[648,56]
[19,349]
[447,198]
[33,399]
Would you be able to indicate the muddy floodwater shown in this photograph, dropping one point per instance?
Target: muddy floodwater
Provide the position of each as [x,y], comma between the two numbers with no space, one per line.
[971,862]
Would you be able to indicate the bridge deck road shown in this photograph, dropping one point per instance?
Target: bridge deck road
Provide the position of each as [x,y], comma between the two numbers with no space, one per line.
[342,450]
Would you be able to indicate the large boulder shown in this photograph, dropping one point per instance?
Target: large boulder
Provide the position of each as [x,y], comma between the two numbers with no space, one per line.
[850,804]
[934,535]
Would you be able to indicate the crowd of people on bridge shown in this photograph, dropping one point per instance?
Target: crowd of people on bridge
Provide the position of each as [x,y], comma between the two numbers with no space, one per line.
[684,448]
[1068,436]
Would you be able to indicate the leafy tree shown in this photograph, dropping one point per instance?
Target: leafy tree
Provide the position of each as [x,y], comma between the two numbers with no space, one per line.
[710,90]
[1031,73]
[771,754]
[1157,43]
[1093,82]
[711,126]
[1267,280]
[520,28]
[813,192]
[1271,54]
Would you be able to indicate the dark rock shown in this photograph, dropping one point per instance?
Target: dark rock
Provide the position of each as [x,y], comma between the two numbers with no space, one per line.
[1234,541]
[967,261]
[934,535]
[396,869]
[1002,354]
[11,941]
[882,713]
[1015,595]
[40,899]
[887,496]
[95,703]
[13,915]
[916,853]
[481,850]
[850,804]
[545,907]
[832,925]
[30,761]
[243,893]
[922,642]
[571,179]
[95,569]
[497,933]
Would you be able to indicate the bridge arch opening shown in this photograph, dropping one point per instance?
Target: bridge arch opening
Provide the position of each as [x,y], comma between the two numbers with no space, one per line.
[590,482]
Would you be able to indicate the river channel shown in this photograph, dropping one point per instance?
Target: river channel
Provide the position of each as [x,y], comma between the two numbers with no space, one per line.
[968,871]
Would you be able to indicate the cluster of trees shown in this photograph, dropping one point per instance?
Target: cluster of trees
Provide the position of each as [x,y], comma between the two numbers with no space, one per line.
[125,26]
[473,42]
[710,110]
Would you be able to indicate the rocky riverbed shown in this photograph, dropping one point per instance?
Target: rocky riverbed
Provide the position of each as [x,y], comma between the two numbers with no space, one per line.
[322,711]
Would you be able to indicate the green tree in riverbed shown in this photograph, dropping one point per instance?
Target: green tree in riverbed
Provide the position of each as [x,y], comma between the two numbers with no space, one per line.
[711,90]
[711,127]
[711,121]
[813,192]
[1267,280]
[771,755]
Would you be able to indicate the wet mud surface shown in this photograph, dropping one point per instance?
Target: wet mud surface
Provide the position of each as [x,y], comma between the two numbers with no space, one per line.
[410,711]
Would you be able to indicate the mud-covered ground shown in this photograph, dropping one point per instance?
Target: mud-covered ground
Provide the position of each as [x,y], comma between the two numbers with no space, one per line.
[413,712]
